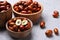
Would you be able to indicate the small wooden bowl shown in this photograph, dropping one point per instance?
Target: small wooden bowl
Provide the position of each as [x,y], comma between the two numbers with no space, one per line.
[19,34]
[33,16]
[5,16]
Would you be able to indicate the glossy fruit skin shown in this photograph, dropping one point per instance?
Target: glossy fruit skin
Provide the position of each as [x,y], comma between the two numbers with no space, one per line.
[28,26]
[11,28]
[55,14]
[16,8]
[11,23]
[4,5]
[15,28]
[21,27]
[21,7]
[19,30]
[56,31]
[42,24]
[23,12]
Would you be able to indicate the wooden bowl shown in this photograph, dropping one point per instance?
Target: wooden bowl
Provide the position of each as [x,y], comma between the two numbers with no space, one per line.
[33,16]
[19,34]
[5,16]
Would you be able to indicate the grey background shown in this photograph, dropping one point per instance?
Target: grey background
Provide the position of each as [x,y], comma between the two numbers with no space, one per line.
[38,33]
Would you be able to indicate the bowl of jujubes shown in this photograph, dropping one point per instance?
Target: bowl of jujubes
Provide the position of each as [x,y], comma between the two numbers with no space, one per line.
[19,27]
[31,10]
[5,13]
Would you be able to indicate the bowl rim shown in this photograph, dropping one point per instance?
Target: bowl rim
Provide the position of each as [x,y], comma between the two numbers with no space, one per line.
[29,14]
[19,32]
[8,9]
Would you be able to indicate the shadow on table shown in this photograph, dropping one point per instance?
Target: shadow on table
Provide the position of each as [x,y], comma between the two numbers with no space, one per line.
[38,21]
[2,29]
[26,38]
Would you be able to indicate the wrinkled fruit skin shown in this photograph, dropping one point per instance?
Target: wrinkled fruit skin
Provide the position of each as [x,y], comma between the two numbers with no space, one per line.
[48,33]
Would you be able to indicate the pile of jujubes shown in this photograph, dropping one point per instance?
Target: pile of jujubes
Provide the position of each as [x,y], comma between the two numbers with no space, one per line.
[4,5]
[27,7]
